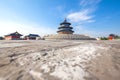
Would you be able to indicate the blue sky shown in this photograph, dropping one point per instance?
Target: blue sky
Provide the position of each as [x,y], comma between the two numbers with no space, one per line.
[90,17]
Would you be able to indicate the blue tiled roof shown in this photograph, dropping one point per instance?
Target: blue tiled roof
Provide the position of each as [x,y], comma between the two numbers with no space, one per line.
[35,35]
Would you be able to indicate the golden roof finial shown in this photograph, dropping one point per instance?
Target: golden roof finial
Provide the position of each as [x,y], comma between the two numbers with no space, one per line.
[65,20]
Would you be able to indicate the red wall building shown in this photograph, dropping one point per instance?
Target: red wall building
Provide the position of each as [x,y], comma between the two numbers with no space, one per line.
[13,36]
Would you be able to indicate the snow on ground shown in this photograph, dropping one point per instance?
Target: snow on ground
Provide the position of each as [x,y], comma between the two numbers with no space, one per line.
[69,63]
[11,45]
[4,44]
[59,60]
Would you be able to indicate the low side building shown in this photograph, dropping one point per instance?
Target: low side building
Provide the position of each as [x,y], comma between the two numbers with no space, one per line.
[13,36]
[31,37]
[111,37]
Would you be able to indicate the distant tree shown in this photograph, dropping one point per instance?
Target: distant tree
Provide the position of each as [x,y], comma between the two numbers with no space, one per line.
[117,37]
[103,38]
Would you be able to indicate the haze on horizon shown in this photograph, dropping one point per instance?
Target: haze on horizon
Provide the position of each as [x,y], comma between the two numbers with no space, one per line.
[91,17]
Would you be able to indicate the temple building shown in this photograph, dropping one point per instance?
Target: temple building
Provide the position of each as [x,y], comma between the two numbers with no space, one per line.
[31,37]
[65,32]
[65,28]
[13,36]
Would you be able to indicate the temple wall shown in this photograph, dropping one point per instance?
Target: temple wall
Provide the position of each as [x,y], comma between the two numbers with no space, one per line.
[68,37]
[8,37]
[12,38]
[65,32]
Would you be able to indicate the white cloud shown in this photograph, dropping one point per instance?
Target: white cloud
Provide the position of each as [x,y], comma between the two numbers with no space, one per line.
[89,2]
[80,16]
[86,14]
